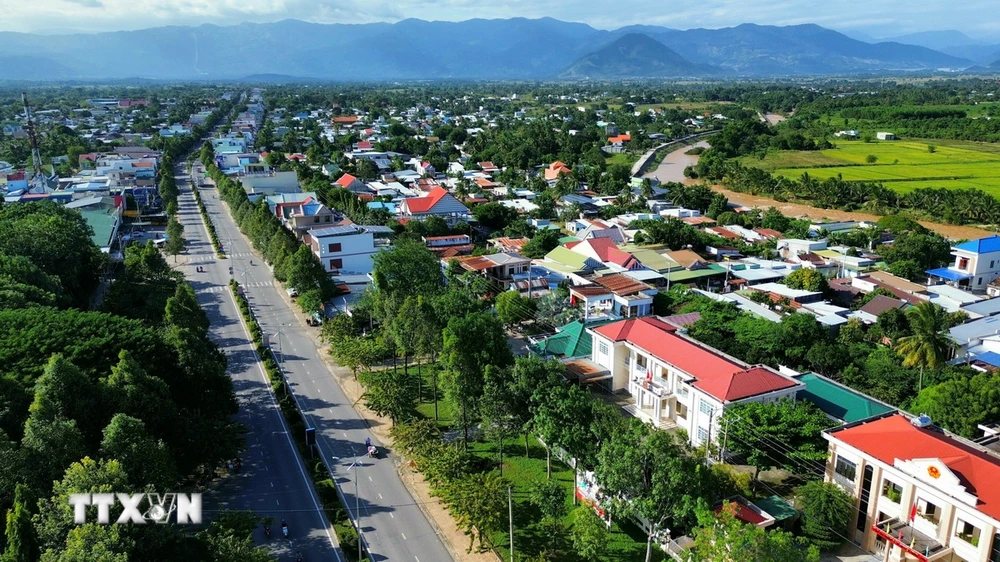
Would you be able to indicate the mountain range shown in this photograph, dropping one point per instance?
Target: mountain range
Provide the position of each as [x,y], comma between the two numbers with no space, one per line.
[517,48]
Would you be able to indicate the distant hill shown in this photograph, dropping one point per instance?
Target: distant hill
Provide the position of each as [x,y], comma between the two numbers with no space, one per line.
[635,55]
[996,64]
[516,48]
[936,40]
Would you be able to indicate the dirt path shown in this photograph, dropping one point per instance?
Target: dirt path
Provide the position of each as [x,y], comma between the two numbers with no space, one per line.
[799,210]
[672,169]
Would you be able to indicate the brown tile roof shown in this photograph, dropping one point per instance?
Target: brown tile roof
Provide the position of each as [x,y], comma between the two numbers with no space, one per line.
[621,284]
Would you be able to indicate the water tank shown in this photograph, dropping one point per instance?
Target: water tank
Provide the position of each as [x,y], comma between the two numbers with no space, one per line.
[923,420]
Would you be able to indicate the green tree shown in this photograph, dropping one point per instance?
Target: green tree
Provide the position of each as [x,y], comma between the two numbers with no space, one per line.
[549,496]
[826,513]
[786,433]
[407,269]
[478,502]
[717,206]
[871,159]
[543,242]
[494,215]
[175,238]
[589,535]
[724,538]
[470,344]
[562,416]
[512,308]
[930,343]
[649,473]
[22,546]
[806,279]
[498,408]
[962,403]
[146,459]
[55,517]
[389,393]
[94,543]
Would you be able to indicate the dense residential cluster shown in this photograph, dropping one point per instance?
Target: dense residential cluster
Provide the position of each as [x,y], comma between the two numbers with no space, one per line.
[538,292]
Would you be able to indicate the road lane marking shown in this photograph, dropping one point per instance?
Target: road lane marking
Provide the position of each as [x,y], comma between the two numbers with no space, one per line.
[391,515]
[402,535]
[370,479]
[380,496]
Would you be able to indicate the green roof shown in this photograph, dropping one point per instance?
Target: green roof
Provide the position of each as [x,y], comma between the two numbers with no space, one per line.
[682,275]
[564,256]
[776,507]
[103,225]
[566,239]
[838,401]
[654,260]
[571,341]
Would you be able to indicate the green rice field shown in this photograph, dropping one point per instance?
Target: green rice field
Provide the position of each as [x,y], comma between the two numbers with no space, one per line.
[901,165]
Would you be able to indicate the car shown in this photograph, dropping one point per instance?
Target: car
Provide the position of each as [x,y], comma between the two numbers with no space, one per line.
[292,292]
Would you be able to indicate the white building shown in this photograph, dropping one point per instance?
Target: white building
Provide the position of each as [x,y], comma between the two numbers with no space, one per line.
[919,493]
[345,250]
[977,264]
[677,381]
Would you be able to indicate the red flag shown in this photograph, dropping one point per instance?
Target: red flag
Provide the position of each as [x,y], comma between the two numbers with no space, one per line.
[913,512]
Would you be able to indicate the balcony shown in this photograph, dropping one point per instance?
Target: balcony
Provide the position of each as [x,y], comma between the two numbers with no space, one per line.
[912,544]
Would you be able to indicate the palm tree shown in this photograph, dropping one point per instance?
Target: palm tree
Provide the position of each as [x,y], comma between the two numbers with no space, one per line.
[930,343]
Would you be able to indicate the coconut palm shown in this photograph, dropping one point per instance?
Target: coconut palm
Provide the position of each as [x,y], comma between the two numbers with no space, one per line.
[930,343]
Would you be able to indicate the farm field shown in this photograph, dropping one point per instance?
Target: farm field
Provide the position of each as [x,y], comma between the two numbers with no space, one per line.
[901,165]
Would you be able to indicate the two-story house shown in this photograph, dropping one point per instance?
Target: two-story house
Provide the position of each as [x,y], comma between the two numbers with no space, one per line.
[438,202]
[499,268]
[977,264]
[345,250]
[918,492]
[676,381]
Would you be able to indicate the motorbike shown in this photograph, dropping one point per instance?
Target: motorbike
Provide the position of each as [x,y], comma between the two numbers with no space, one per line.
[267,531]
[284,529]
[373,451]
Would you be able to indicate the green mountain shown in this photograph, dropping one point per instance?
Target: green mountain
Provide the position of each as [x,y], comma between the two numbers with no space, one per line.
[635,55]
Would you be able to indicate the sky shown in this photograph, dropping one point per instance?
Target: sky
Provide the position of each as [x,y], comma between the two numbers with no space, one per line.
[877,18]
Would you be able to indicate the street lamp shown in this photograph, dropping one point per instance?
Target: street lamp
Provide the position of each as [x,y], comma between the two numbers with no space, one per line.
[279,356]
[357,502]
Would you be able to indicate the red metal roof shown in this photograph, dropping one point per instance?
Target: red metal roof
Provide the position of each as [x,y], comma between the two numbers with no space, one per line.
[742,512]
[894,437]
[425,204]
[346,180]
[718,376]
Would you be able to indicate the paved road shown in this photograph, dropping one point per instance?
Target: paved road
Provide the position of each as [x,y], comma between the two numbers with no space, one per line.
[272,482]
[392,524]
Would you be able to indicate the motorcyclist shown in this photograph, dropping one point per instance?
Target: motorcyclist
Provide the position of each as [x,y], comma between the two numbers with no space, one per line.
[267,530]
[284,528]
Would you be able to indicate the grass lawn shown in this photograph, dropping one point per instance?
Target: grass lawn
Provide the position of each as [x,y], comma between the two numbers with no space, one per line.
[624,158]
[902,165]
[448,415]
[626,542]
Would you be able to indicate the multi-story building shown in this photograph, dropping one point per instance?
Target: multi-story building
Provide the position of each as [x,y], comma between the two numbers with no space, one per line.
[345,250]
[918,492]
[677,381]
[977,264]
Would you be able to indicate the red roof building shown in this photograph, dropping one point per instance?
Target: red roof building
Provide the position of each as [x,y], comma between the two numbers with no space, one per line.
[437,202]
[555,170]
[677,381]
[927,494]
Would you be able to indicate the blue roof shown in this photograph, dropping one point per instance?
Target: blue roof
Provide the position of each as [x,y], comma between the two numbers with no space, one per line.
[949,274]
[990,358]
[981,246]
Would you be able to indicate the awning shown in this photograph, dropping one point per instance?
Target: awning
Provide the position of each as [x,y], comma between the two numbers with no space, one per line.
[948,273]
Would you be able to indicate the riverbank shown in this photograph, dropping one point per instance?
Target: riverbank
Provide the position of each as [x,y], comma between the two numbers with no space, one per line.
[671,169]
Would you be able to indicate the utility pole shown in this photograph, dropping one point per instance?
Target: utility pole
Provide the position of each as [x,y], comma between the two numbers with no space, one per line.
[510,514]
[357,503]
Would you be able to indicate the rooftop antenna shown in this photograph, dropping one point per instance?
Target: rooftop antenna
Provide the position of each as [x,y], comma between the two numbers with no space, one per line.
[37,181]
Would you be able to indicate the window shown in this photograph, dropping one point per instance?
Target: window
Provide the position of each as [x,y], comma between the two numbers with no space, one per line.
[702,434]
[334,248]
[704,407]
[640,361]
[979,281]
[892,490]
[682,412]
[336,264]
[967,532]
[326,218]
[682,390]
[315,219]
[928,511]
[845,468]
[991,264]
[995,549]
[603,348]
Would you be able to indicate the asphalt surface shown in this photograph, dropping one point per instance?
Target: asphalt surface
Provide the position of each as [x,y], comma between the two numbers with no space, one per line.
[392,524]
[272,481]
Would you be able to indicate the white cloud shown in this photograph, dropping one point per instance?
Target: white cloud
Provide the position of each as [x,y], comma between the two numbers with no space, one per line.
[885,17]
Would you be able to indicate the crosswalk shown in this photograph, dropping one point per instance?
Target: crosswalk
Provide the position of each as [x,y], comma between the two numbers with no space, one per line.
[224,288]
